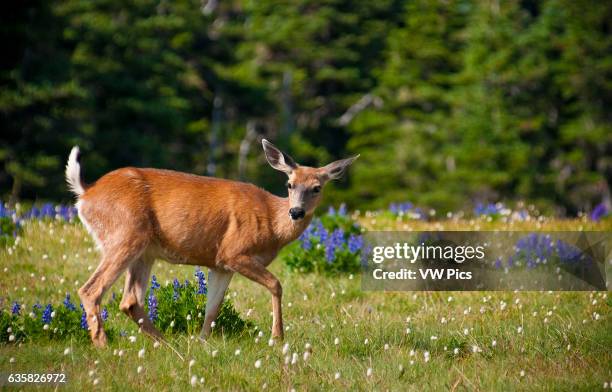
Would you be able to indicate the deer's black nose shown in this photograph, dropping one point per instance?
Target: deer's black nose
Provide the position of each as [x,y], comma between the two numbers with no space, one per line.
[296,213]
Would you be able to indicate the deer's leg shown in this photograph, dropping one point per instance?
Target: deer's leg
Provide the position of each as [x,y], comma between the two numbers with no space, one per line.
[218,281]
[256,272]
[132,303]
[111,266]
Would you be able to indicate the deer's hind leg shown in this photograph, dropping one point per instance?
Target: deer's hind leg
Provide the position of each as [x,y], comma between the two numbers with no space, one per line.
[132,303]
[113,263]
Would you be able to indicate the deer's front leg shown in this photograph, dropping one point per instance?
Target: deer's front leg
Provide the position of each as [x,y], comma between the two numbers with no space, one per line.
[253,270]
[218,280]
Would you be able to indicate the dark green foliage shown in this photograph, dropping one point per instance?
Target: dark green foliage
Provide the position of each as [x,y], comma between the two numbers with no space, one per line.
[463,101]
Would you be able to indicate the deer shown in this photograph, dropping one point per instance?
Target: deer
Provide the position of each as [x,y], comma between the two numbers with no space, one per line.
[138,215]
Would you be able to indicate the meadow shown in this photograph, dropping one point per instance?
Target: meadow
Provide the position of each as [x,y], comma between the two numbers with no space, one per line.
[337,336]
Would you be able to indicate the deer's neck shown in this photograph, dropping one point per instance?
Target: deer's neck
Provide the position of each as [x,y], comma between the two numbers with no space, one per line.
[285,228]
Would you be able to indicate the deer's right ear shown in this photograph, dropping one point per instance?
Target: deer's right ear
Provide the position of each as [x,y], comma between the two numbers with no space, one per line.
[278,159]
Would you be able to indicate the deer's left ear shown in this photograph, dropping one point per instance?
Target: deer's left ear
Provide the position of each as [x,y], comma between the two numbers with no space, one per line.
[336,169]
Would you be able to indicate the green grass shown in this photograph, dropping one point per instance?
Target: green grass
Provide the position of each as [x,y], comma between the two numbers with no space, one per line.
[570,351]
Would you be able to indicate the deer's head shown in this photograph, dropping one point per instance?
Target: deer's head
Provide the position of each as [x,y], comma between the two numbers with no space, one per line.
[305,184]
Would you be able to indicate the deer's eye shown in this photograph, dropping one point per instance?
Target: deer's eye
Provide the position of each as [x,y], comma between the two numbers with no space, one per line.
[316,189]
[288,185]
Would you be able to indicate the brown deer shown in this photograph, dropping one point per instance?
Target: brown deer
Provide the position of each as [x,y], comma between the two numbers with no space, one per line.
[138,215]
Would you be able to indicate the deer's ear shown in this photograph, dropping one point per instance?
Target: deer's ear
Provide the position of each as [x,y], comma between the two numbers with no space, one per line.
[336,169]
[278,159]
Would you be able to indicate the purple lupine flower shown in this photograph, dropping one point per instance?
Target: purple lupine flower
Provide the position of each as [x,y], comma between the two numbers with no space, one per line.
[176,286]
[498,263]
[47,211]
[331,211]
[306,239]
[488,209]
[154,283]
[69,305]
[152,302]
[342,210]
[84,320]
[16,308]
[568,253]
[400,208]
[599,212]
[320,231]
[201,281]
[355,243]
[104,314]
[335,241]
[46,316]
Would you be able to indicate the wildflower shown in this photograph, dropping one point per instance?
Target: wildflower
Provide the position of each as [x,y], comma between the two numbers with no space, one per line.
[191,363]
[84,320]
[201,281]
[258,364]
[68,304]
[46,316]
[306,238]
[306,355]
[11,338]
[337,376]
[294,358]
[141,353]
[67,351]
[152,302]
[154,283]
[599,212]
[194,381]
[337,341]
[176,286]
[237,352]
[369,372]
[96,381]
[334,242]
[16,308]
[285,348]
[139,369]
[320,232]
[355,243]
[104,314]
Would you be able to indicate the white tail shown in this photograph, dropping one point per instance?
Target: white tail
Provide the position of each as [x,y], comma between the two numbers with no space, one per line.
[139,215]
[73,172]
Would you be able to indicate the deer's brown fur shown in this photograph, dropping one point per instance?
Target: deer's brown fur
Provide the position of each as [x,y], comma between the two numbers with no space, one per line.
[139,215]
